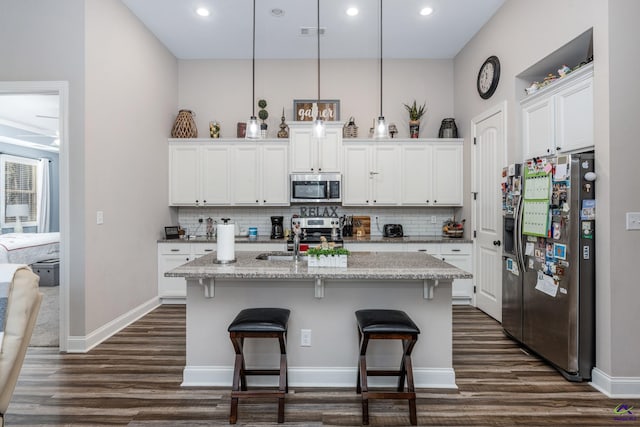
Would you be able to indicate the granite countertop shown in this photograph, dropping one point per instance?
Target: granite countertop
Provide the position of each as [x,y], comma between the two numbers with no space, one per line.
[366,239]
[361,265]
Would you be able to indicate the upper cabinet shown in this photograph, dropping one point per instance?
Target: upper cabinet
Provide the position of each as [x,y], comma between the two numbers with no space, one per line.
[206,173]
[403,172]
[313,155]
[559,118]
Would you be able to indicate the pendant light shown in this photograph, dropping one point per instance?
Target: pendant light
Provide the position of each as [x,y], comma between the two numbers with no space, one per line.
[319,127]
[381,129]
[253,127]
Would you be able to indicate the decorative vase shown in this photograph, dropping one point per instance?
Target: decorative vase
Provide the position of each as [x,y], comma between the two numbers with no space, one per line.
[214,129]
[448,129]
[185,126]
[414,128]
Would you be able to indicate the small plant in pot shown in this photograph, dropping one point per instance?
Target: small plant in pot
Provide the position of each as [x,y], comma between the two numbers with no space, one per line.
[263,115]
[415,114]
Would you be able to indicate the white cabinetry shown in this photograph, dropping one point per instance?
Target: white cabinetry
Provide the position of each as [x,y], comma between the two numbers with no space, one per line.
[259,175]
[559,118]
[198,175]
[371,174]
[202,173]
[432,173]
[312,155]
[173,290]
[407,173]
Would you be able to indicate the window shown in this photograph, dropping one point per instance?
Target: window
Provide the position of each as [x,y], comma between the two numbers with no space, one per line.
[19,187]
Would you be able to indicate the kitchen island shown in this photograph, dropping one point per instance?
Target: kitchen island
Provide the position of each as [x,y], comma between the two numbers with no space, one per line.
[323,301]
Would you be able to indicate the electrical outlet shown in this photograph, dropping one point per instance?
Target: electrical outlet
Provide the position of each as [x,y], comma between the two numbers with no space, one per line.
[434,219]
[99,217]
[305,337]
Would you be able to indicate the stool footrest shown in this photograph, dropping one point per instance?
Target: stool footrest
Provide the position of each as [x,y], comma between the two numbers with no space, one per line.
[258,393]
[261,371]
[388,395]
[383,373]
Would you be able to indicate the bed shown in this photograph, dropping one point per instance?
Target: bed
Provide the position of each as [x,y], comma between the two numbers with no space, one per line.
[27,248]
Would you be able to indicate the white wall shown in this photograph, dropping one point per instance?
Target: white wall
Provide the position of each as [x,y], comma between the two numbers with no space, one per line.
[520,40]
[131,94]
[222,91]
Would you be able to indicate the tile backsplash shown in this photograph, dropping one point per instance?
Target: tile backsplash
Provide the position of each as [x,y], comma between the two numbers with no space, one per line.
[415,221]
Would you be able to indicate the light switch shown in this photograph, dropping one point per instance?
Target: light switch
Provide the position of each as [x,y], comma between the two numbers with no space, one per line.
[100,217]
[633,220]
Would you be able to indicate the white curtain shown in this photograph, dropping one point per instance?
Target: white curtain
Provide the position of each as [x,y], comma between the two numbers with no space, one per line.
[44,196]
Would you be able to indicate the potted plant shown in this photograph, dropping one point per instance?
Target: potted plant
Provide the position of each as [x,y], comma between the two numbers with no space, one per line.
[415,114]
[327,257]
[263,115]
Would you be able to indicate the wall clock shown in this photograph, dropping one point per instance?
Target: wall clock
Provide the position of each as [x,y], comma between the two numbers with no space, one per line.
[488,77]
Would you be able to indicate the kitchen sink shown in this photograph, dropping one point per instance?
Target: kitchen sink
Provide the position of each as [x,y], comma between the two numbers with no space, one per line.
[279,256]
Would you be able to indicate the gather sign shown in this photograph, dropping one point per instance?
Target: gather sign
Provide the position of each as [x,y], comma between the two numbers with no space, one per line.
[307,110]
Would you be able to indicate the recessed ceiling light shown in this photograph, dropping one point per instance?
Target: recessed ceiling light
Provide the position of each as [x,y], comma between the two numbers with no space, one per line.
[352,11]
[426,11]
[203,11]
[277,12]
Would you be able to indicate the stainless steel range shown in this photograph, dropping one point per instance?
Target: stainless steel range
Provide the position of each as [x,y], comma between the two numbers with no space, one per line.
[312,229]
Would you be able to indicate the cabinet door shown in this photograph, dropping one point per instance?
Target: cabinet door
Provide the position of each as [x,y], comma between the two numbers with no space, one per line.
[386,175]
[170,256]
[275,179]
[538,128]
[245,173]
[214,175]
[356,184]
[329,151]
[184,176]
[447,175]
[303,157]
[574,116]
[416,175]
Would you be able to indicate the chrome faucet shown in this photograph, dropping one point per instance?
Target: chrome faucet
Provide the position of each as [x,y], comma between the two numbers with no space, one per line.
[296,247]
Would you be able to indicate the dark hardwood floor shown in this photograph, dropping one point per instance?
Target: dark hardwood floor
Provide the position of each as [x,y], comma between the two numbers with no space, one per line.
[133,379]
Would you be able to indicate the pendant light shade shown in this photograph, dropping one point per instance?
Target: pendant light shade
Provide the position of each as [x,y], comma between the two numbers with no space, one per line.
[253,127]
[381,129]
[319,127]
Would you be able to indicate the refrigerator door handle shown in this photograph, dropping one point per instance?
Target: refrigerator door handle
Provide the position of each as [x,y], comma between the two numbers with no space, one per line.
[519,252]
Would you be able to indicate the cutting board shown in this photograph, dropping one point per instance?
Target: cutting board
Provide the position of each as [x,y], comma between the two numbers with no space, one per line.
[362,223]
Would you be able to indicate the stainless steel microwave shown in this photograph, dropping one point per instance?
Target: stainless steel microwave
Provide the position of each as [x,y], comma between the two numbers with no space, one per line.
[316,188]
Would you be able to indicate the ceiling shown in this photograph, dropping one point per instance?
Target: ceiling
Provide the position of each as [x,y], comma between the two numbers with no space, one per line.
[31,119]
[227,32]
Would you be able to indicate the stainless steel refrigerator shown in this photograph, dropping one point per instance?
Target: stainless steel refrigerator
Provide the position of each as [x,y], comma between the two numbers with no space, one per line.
[549,260]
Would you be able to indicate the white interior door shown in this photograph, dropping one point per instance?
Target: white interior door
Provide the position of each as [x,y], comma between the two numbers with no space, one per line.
[489,157]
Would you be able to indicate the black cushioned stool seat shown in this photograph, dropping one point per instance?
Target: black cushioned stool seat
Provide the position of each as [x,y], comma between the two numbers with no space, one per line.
[387,325]
[258,323]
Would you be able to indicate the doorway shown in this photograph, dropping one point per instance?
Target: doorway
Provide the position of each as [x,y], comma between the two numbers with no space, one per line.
[48,90]
[488,158]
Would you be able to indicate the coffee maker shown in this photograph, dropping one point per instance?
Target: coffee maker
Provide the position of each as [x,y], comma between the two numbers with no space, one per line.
[277,230]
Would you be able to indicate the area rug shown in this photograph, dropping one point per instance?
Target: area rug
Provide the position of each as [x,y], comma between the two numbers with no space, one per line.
[46,332]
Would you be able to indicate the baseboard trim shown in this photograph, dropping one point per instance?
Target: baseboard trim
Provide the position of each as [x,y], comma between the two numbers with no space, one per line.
[82,344]
[221,376]
[615,387]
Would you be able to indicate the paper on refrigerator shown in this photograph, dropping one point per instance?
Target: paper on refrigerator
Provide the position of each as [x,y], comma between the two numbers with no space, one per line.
[546,284]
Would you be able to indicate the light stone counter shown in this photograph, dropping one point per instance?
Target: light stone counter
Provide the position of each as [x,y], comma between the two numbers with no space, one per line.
[322,300]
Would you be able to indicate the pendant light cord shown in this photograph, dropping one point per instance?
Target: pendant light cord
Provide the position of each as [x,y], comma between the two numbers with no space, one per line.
[253,63]
[380,58]
[318,33]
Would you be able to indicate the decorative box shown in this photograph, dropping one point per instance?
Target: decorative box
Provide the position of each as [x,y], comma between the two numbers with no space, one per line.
[336,261]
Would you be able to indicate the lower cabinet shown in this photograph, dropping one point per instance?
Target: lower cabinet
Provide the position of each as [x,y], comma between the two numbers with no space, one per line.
[173,290]
[456,254]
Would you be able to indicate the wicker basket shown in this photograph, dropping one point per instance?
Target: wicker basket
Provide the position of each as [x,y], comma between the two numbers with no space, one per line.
[350,130]
[185,126]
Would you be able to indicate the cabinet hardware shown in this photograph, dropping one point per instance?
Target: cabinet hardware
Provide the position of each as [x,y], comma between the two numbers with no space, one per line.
[496,243]
[455,250]
[175,250]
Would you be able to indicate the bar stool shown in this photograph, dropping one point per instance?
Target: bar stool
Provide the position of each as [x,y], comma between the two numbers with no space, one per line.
[387,325]
[258,323]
